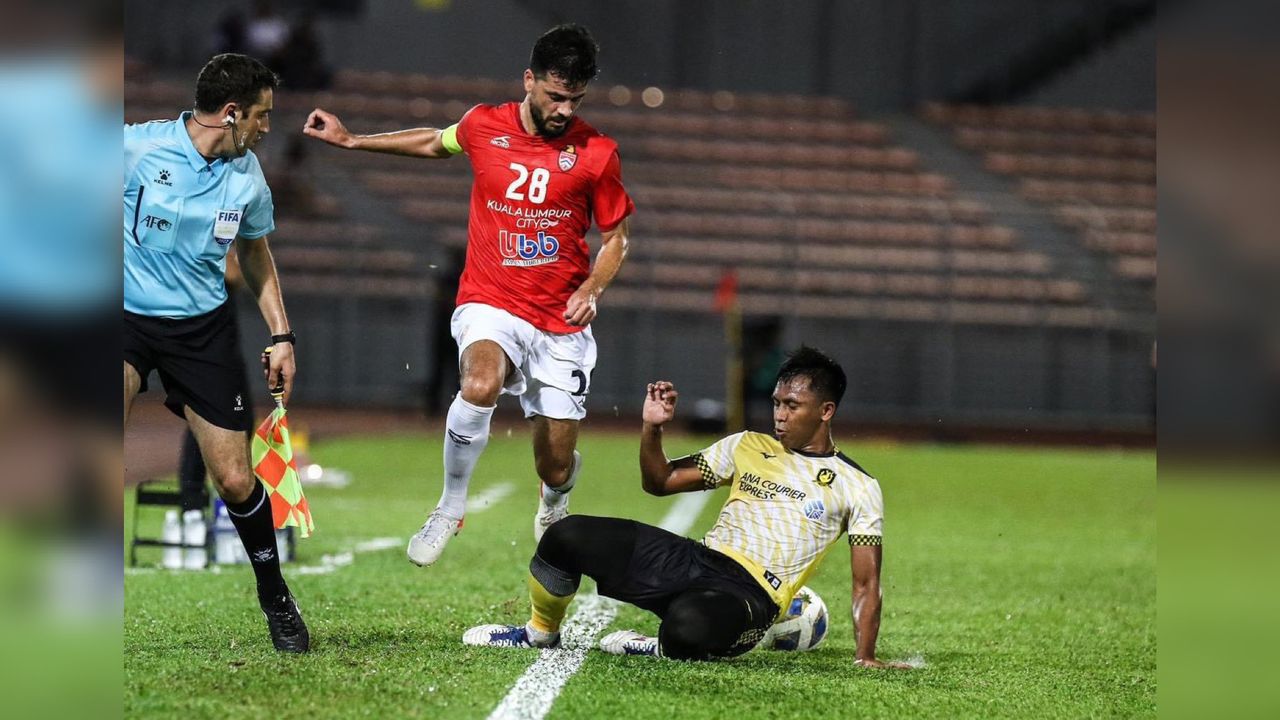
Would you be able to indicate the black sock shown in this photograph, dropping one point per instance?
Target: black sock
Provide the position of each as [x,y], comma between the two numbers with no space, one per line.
[252,519]
[194,493]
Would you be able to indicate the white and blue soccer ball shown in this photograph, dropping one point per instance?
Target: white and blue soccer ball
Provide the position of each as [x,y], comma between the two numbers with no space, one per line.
[801,627]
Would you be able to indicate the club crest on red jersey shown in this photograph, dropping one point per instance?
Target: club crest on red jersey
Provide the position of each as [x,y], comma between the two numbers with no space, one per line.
[568,157]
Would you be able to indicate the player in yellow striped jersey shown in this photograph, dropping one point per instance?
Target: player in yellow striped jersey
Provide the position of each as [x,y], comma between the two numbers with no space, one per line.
[793,494]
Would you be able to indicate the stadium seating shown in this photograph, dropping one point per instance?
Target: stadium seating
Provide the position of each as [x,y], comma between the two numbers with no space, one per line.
[819,212]
[1094,170]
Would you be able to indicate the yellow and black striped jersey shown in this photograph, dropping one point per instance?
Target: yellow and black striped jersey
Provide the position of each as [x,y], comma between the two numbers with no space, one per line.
[786,508]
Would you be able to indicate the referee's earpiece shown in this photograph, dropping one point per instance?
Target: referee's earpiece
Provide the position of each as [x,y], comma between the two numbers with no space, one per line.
[230,119]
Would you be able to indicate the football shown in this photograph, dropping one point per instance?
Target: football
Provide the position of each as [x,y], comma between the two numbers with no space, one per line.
[801,627]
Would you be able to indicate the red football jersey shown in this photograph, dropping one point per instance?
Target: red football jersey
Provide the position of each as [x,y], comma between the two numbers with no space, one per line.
[531,206]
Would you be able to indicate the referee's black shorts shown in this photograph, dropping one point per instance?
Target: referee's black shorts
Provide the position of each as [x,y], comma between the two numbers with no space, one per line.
[199,363]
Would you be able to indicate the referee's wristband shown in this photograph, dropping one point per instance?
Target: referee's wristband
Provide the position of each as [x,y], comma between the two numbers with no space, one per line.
[288,337]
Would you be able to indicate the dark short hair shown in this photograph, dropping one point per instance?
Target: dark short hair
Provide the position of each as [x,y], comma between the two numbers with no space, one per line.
[567,52]
[826,377]
[231,77]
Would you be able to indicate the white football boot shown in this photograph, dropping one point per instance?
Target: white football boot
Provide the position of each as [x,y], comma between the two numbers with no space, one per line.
[426,545]
[629,642]
[514,636]
[549,514]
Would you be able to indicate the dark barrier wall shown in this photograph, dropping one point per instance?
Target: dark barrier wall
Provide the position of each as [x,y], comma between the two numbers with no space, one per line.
[941,378]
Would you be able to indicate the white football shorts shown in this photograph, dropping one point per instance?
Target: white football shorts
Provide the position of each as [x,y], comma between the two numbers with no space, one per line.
[552,373]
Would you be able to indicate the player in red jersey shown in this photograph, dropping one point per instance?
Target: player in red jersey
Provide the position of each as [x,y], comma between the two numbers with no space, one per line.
[528,291]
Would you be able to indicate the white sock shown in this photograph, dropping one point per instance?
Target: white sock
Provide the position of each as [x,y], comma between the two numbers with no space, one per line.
[554,496]
[466,434]
[537,636]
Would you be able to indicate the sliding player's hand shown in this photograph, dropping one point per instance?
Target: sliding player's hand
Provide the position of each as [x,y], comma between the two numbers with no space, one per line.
[660,403]
[327,127]
[880,664]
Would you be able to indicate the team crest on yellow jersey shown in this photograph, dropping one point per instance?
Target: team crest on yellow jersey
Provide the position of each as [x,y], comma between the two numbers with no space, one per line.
[826,476]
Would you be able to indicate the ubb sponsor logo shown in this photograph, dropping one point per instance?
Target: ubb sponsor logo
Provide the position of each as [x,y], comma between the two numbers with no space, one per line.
[814,509]
[521,250]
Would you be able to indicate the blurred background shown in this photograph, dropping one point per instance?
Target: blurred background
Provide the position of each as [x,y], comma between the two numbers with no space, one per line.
[955,199]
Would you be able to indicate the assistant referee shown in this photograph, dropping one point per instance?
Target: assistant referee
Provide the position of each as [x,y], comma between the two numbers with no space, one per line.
[192,188]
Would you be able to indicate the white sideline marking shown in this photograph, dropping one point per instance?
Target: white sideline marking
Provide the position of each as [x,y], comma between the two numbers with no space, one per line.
[536,691]
[489,497]
[382,543]
[482,501]
[683,512]
[328,563]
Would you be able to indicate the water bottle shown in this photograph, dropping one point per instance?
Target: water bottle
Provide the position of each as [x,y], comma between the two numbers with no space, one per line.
[194,554]
[284,544]
[172,533]
[227,549]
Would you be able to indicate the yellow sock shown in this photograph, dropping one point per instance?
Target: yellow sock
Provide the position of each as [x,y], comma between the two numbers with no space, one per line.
[548,609]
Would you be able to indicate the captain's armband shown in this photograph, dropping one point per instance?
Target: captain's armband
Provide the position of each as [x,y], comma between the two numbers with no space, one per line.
[449,138]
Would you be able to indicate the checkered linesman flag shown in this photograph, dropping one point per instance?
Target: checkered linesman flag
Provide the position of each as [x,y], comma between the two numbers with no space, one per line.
[275,466]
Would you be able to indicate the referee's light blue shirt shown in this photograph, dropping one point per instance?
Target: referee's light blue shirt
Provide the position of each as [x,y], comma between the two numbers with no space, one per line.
[181,215]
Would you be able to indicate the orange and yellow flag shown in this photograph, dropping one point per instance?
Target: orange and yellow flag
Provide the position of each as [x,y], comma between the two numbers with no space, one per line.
[274,465]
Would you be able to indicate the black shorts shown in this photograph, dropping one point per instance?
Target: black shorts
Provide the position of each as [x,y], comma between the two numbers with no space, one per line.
[665,565]
[199,362]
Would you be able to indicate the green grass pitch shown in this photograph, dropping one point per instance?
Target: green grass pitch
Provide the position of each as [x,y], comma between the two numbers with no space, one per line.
[1025,579]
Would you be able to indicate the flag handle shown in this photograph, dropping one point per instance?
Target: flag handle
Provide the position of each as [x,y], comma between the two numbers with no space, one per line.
[277,392]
